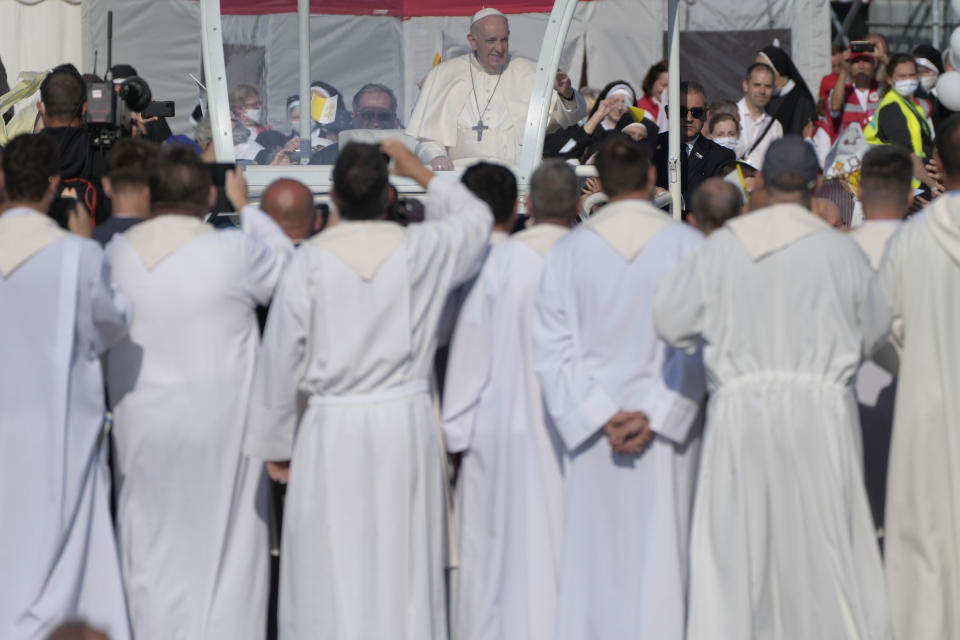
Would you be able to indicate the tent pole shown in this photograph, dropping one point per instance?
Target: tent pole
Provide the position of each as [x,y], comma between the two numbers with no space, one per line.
[215,69]
[537,114]
[937,23]
[673,137]
[306,117]
[841,39]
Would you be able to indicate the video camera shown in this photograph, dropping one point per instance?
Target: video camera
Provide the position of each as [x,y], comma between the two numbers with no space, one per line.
[109,107]
[111,103]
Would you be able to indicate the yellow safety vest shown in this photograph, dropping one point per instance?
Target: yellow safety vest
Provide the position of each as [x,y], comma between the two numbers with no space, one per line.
[916,122]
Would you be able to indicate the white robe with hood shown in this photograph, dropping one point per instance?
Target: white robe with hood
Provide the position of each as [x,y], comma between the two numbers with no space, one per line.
[509,501]
[782,545]
[876,380]
[920,274]
[626,521]
[191,512]
[352,331]
[58,312]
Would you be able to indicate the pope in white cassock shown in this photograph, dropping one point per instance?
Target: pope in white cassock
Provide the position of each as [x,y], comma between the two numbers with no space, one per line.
[920,275]
[510,495]
[606,376]
[475,105]
[353,331]
[191,512]
[58,313]
[782,544]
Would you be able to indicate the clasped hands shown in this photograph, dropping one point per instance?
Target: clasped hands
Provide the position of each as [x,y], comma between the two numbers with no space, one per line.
[629,432]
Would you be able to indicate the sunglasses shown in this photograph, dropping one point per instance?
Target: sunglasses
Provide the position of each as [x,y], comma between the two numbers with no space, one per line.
[376,115]
[696,112]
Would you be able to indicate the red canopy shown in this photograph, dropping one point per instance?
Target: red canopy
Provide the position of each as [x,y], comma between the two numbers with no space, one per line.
[396,8]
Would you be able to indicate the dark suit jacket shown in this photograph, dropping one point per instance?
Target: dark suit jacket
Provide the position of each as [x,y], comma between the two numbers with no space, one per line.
[703,161]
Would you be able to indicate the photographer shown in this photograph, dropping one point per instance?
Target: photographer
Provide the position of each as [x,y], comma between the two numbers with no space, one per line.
[856,94]
[62,107]
[153,128]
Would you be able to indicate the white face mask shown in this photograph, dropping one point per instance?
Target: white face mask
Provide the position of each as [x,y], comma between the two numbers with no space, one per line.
[906,88]
[664,94]
[729,143]
[928,82]
[295,124]
[253,115]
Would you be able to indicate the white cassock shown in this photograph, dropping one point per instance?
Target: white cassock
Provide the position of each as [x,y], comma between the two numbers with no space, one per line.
[448,110]
[353,331]
[876,380]
[58,313]
[782,545]
[624,560]
[191,513]
[920,275]
[448,319]
[509,499]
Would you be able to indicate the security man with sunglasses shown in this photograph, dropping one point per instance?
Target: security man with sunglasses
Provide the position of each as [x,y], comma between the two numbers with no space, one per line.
[374,107]
[699,156]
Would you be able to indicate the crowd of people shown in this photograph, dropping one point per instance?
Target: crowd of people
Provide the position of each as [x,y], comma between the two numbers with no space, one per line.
[481,416]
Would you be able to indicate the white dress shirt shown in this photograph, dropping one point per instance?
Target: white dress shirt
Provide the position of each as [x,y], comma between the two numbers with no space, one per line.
[750,130]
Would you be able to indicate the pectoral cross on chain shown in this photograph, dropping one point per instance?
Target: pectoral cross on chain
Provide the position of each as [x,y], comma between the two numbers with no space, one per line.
[480,128]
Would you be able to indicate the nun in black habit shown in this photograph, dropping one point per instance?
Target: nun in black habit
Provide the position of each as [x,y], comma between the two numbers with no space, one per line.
[792,104]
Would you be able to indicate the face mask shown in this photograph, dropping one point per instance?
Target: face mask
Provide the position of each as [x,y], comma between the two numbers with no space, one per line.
[664,94]
[928,82]
[253,115]
[906,88]
[295,124]
[729,143]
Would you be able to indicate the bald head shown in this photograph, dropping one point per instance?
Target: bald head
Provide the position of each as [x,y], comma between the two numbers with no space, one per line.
[828,211]
[290,204]
[714,202]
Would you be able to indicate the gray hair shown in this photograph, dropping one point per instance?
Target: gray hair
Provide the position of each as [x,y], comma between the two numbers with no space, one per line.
[375,88]
[553,190]
[203,132]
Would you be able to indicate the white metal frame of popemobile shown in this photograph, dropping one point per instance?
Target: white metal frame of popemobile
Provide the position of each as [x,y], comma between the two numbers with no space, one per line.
[318,178]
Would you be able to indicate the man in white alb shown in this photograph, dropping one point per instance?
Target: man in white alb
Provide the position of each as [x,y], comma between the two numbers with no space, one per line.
[353,329]
[625,405]
[510,493]
[190,506]
[58,313]
[758,128]
[782,544]
[475,106]
[885,192]
[920,275]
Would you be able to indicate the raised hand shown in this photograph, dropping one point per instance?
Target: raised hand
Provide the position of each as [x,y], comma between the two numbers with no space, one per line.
[279,471]
[563,86]
[235,186]
[405,164]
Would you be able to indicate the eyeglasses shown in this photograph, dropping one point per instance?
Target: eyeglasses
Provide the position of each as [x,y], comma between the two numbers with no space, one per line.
[696,112]
[376,115]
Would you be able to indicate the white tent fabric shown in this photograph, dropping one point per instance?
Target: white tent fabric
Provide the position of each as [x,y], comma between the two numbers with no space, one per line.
[39,35]
[618,38]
